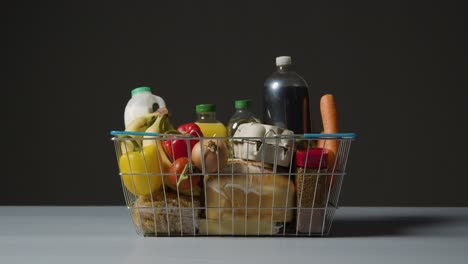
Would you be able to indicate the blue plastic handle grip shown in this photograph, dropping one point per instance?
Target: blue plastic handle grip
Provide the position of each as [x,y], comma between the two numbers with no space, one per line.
[316,136]
[337,135]
[130,133]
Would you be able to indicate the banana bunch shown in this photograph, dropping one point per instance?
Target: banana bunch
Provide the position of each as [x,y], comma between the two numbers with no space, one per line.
[161,126]
[139,124]
[157,122]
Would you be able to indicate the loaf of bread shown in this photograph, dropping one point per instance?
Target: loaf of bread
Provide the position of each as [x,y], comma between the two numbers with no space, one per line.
[250,191]
[166,214]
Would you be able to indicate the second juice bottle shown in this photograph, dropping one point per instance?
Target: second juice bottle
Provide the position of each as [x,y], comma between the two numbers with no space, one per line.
[241,116]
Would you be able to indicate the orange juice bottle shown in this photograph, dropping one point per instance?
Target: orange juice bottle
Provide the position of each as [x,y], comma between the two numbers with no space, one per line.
[206,120]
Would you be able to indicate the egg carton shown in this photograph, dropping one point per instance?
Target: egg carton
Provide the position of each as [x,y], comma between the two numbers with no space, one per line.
[253,141]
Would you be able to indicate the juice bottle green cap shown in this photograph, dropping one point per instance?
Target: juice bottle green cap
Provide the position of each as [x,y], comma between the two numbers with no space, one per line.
[203,108]
[242,104]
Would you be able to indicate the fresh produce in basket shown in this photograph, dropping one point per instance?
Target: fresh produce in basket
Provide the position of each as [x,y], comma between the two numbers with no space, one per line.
[161,125]
[245,184]
[330,126]
[210,155]
[139,124]
[193,130]
[180,178]
[330,121]
[139,165]
[271,149]
[139,168]
[174,216]
[176,146]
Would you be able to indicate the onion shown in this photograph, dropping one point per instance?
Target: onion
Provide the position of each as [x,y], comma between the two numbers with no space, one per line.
[214,152]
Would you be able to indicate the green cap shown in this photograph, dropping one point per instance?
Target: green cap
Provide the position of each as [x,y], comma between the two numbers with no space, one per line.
[203,108]
[241,104]
[141,89]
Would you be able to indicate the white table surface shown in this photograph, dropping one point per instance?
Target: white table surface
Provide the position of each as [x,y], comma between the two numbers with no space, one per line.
[69,235]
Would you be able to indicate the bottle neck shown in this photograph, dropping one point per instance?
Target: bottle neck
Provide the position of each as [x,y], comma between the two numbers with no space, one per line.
[243,111]
[283,68]
[206,116]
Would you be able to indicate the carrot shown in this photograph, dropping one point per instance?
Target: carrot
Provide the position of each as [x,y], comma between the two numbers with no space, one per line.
[321,142]
[330,126]
[329,114]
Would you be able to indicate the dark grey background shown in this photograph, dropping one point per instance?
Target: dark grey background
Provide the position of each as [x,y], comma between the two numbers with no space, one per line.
[397,68]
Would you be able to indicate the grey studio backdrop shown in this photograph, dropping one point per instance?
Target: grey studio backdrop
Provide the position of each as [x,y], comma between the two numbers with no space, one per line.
[397,70]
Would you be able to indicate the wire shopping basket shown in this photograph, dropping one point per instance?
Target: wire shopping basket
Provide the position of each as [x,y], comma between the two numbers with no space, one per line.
[260,186]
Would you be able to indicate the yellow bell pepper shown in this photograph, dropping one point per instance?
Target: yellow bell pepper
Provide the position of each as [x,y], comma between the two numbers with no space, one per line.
[141,170]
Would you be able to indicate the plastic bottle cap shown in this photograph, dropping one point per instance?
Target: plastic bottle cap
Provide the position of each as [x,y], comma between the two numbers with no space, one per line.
[241,104]
[203,108]
[283,60]
[141,89]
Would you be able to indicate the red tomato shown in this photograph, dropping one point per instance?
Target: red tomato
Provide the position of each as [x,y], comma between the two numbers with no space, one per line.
[180,172]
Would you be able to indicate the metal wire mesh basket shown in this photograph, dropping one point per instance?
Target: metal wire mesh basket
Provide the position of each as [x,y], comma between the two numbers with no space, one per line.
[270,186]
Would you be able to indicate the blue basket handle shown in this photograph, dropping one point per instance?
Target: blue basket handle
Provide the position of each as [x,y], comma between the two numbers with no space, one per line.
[337,135]
[132,133]
[311,136]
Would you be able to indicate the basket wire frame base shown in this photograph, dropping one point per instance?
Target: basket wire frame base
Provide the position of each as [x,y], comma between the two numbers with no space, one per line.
[276,201]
